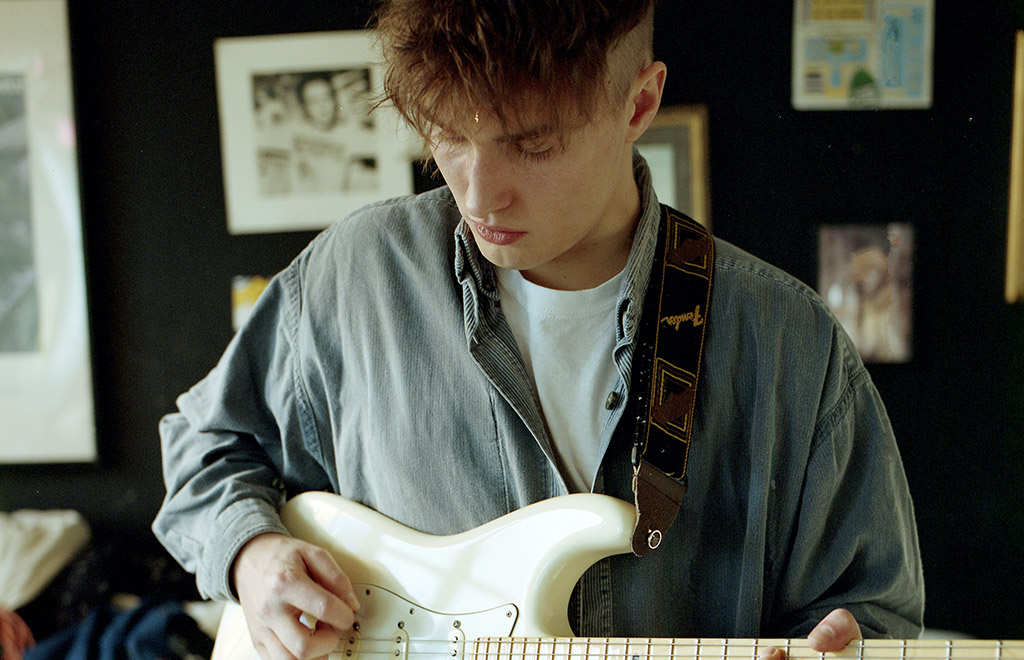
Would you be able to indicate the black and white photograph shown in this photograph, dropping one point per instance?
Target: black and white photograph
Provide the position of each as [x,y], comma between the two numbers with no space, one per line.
[315,132]
[19,301]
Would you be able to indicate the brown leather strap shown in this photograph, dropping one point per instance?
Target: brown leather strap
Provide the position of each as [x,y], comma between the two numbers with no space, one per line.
[658,497]
[666,367]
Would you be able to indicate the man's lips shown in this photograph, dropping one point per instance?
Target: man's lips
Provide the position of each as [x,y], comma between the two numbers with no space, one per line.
[496,235]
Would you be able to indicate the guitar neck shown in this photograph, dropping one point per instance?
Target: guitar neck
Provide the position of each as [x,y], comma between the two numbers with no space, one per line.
[583,648]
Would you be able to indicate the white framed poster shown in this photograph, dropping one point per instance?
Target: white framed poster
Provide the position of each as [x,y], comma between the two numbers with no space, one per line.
[46,401]
[300,145]
[862,54]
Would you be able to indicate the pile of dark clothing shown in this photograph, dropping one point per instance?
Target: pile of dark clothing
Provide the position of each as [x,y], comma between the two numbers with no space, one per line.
[67,596]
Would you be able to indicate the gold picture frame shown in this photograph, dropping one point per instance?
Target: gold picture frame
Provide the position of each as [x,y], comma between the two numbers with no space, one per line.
[1015,221]
[676,149]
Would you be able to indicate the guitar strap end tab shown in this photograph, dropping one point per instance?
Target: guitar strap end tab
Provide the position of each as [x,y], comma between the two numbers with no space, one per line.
[657,498]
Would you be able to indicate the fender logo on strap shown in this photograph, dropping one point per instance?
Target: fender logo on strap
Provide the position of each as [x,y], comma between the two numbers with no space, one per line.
[675,321]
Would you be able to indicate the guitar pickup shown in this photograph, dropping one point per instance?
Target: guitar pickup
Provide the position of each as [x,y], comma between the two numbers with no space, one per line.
[349,646]
[400,645]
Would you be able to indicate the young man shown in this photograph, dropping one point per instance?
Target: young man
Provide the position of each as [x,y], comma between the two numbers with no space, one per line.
[447,358]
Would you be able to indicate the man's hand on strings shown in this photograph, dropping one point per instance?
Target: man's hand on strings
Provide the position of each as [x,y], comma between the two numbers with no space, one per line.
[832,634]
[280,579]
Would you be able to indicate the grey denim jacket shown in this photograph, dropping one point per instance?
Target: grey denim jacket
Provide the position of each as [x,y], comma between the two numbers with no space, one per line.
[378,365]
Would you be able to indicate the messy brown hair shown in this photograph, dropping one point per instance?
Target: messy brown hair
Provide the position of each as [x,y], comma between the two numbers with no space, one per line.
[447,60]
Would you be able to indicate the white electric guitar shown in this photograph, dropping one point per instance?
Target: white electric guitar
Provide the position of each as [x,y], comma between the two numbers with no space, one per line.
[501,591]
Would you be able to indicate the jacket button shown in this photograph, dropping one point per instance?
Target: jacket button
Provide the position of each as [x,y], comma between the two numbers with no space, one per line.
[611,401]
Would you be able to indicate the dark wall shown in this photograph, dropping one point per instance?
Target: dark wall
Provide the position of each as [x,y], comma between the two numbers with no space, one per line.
[160,261]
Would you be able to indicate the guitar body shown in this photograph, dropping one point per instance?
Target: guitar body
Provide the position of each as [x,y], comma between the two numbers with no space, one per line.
[501,591]
[428,594]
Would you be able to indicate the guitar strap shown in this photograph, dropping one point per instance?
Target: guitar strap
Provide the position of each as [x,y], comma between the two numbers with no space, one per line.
[666,366]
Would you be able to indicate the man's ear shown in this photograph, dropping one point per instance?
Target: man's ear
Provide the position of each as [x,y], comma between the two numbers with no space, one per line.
[645,99]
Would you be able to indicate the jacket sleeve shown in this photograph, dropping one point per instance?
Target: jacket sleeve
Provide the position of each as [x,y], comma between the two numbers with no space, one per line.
[242,439]
[854,542]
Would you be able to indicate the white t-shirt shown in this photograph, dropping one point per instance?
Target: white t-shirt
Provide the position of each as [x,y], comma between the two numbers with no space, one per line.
[566,340]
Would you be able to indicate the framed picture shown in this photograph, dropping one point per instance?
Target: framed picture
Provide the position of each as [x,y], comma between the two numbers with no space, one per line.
[676,149]
[46,400]
[301,147]
[1015,223]
[862,54]
[865,275]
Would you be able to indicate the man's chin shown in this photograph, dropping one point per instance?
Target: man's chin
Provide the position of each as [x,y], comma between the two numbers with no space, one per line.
[503,256]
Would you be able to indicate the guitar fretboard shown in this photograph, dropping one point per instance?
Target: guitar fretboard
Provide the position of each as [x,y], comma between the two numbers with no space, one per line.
[590,648]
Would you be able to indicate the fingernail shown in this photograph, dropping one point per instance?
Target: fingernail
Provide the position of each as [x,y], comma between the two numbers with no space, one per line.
[309,621]
[770,653]
[823,634]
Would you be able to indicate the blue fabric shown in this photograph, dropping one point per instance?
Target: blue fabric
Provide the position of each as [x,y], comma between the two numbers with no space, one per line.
[379,365]
[156,629]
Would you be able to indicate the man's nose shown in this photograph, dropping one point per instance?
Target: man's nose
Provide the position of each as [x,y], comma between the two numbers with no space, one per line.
[488,186]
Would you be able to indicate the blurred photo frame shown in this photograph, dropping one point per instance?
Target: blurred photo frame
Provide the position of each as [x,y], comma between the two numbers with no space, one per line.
[46,395]
[865,275]
[301,147]
[676,149]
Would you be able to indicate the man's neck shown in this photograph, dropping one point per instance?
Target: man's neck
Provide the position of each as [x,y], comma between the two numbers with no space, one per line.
[591,264]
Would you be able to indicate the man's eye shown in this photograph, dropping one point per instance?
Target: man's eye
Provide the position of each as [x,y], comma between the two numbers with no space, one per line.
[539,149]
[443,139]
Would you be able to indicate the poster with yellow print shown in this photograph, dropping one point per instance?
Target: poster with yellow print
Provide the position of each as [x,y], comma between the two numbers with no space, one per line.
[862,54]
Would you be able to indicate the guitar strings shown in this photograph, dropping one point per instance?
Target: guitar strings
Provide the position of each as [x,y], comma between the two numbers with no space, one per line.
[526,648]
